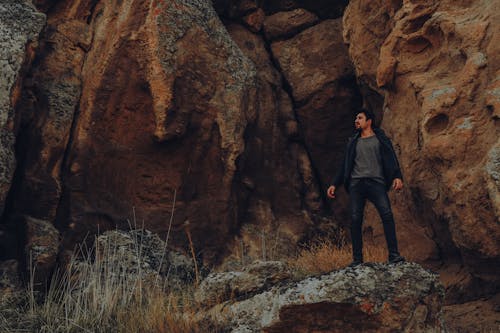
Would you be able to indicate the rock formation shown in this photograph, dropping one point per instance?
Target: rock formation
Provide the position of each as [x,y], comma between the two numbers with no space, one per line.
[369,298]
[436,64]
[220,124]
[156,107]
[20,24]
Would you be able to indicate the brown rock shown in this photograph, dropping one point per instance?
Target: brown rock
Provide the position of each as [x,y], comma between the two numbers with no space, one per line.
[313,58]
[370,298]
[317,67]
[235,9]
[49,102]
[41,248]
[279,173]
[165,101]
[255,20]
[286,24]
[325,9]
[365,37]
[439,62]
[480,315]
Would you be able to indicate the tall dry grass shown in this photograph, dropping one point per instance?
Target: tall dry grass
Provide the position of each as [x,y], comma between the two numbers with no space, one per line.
[94,295]
[97,292]
[326,255]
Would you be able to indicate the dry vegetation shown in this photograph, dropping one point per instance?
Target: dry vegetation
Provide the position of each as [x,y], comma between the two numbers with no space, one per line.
[98,296]
[326,255]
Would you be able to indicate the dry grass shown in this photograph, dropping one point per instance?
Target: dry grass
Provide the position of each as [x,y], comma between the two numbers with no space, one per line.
[100,296]
[326,255]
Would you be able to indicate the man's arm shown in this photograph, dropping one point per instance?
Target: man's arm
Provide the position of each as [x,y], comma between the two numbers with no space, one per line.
[337,180]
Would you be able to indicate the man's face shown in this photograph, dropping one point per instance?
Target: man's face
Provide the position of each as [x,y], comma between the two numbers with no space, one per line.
[360,123]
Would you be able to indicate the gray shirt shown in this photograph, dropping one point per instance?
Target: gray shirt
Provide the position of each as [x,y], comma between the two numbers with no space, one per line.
[368,161]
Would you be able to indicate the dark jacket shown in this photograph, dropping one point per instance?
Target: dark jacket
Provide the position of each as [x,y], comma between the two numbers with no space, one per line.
[390,164]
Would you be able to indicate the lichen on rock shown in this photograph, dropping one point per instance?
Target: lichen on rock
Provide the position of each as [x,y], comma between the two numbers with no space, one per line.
[20,24]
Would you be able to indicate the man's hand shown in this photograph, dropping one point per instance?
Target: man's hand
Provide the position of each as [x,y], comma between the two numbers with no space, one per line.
[331,192]
[397,184]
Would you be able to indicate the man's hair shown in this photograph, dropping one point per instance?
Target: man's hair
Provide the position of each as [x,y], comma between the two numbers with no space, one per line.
[368,114]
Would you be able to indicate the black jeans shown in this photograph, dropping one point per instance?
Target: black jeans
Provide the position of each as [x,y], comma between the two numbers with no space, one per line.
[359,191]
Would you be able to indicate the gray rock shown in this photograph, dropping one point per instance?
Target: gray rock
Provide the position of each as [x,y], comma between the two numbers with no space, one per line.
[143,253]
[492,169]
[20,24]
[369,298]
[257,277]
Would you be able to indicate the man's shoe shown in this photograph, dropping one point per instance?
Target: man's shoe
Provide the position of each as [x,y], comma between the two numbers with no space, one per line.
[395,259]
[355,263]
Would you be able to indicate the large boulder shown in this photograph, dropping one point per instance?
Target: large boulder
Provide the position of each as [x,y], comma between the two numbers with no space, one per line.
[20,25]
[313,58]
[316,66]
[136,255]
[368,298]
[139,107]
[437,64]
[286,24]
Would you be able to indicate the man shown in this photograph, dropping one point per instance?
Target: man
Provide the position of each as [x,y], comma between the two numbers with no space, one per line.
[370,168]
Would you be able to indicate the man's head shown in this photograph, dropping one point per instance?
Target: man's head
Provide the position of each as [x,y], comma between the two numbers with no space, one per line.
[364,119]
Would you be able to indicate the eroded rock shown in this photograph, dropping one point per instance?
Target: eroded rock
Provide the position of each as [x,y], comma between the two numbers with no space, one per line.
[287,24]
[369,298]
[255,278]
[20,24]
[437,64]
[41,248]
[140,254]
[313,58]
[166,97]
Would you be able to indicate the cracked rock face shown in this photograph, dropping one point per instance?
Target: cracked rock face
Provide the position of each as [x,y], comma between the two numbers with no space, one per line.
[157,106]
[20,25]
[369,298]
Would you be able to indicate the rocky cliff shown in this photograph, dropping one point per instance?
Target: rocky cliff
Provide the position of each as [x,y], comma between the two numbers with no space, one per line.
[221,124]
[436,65]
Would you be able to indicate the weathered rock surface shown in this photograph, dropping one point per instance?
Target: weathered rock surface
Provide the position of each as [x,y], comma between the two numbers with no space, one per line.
[281,188]
[257,277]
[49,101]
[20,25]
[313,58]
[436,63]
[164,99]
[143,103]
[9,279]
[369,298]
[41,248]
[317,67]
[287,24]
[140,253]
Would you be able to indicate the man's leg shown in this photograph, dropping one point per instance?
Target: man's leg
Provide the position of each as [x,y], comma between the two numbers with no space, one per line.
[378,196]
[358,199]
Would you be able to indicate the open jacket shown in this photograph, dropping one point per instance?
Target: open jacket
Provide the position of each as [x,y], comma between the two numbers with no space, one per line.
[390,164]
